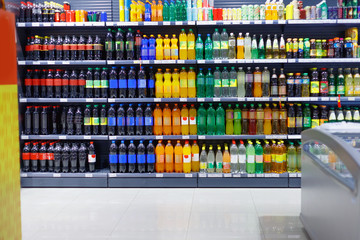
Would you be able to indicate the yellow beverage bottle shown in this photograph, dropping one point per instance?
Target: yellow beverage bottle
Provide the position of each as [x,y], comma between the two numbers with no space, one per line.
[167,83]
[192,120]
[191,45]
[175,85]
[158,120]
[174,48]
[184,120]
[191,83]
[160,157]
[167,50]
[178,157]
[183,83]
[159,48]
[159,14]
[183,45]
[267,120]
[153,11]
[176,120]
[159,84]
[167,120]
[195,163]
[284,152]
[226,160]
[273,156]
[187,157]
[169,158]
[133,11]
[240,46]
[279,158]
[274,11]
[139,13]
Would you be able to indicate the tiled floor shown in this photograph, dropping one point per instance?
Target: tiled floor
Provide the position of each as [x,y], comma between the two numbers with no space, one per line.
[171,214]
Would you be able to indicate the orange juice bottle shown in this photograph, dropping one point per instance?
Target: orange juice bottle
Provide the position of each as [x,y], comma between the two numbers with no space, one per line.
[226,160]
[279,159]
[176,120]
[133,11]
[158,120]
[167,50]
[195,163]
[240,46]
[183,83]
[184,120]
[274,10]
[273,156]
[268,13]
[167,120]
[153,11]
[284,152]
[160,157]
[267,120]
[183,45]
[191,83]
[187,157]
[175,86]
[169,157]
[178,157]
[257,82]
[192,120]
[174,48]
[159,84]
[140,13]
[159,13]
[167,83]
[159,48]
[191,45]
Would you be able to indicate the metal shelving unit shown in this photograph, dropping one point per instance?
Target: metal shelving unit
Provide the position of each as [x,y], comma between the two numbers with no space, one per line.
[63,100]
[51,63]
[150,100]
[64,137]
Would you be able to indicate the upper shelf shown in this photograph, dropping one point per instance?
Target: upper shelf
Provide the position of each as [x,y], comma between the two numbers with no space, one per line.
[188,23]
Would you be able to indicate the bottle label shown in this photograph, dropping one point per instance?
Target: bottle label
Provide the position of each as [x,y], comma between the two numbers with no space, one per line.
[210,165]
[25,156]
[219,165]
[150,158]
[160,158]
[151,83]
[341,89]
[113,158]
[226,165]
[234,158]
[49,82]
[92,158]
[250,159]
[129,45]
[259,158]
[233,82]
[291,122]
[298,81]
[224,45]
[113,83]
[229,115]
[57,82]
[131,83]
[122,83]
[192,120]
[183,45]
[130,121]
[203,165]
[73,82]
[103,121]
[50,156]
[112,121]
[307,122]
[290,81]
[42,156]
[34,156]
[315,123]
[122,158]
[305,81]
[237,115]
[199,46]
[64,82]
[121,121]
[141,158]
[97,84]
[324,88]
[141,83]
[87,121]
[225,82]
[184,121]
[132,158]
[267,158]
[174,52]
[195,157]
[186,158]
[81,47]
[314,87]
[240,42]
[119,46]
[217,83]
[95,121]
[279,158]
[81,82]
[299,122]
[191,83]
[216,44]
[183,83]
[149,121]
[139,121]
[89,47]
[191,44]
[232,43]
[332,90]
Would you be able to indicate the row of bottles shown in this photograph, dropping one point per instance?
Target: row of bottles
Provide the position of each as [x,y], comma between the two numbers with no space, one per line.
[58,157]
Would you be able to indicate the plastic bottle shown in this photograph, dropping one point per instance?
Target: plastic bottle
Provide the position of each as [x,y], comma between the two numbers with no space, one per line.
[241,83]
[203,159]
[103,120]
[148,12]
[260,120]
[42,157]
[217,83]
[240,46]
[356,82]
[183,41]
[234,157]
[169,157]
[208,48]
[187,156]
[175,86]
[191,55]
[249,82]
[174,48]
[119,45]
[178,157]
[219,160]
[244,120]
[250,158]
[216,44]
[159,48]
[257,83]
[291,158]
[211,160]
[166,11]
[267,120]
[209,84]
[167,129]
[141,83]
[152,48]
[121,120]
[65,159]
[224,44]
[191,83]
[44,122]
[261,50]
[70,121]
[183,83]
[225,83]
[265,78]
[226,160]
[109,45]
[211,120]
[232,46]
[159,84]
[57,157]
[340,83]
[122,157]
[184,120]
[220,120]
[283,120]
[237,120]
[254,48]
[122,83]
[167,84]
[167,48]
[229,129]
[160,157]
[139,121]
[25,157]
[172,11]
[113,158]
[176,120]
[252,120]
[233,83]
[130,120]
[267,157]
[150,157]
[192,120]
[130,45]
[259,160]
[349,83]
[199,49]
[158,124]
[201,88]
[195,164]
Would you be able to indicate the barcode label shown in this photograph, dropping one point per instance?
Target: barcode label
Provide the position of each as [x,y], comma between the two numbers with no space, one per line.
[159,175]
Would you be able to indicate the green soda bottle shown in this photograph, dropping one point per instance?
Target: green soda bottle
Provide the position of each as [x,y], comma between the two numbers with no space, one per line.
[229,129]
[199,48]
[237,120]
[261,50]
[332,83]
[208,48]
[209,84]
[201,120]
[254,48]
[172,11]
[220,120]
[166,11]
[307,117]
[200,81]
[183,10]
[340,83]
[178,7]
[259,158]
[291,158]
[250,158]
[210,121]
[306,48]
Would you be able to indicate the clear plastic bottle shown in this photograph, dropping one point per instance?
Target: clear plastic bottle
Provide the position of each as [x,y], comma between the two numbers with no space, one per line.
[254,48]
[219,160]
[232,46]
[217,83]
[241,82]
[211,160]
[233,83]
[242,157]
[234,156]
[225,83]
[203,159]
[216,44]
[247,46]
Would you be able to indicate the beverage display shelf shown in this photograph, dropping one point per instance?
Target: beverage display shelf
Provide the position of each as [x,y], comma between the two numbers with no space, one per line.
[323,60]
[153,175]
[323,99]
[150,100]
[60,24]
[241,61]
[230,137]
[243,99]
[46,62]
[147,62]
[150,23]
[63,100]
[97,174]
[64,137]
[243,175]
[154,137]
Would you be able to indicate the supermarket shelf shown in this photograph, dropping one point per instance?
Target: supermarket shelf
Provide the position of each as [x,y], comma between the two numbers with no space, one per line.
[146,62]
[295,180]
[230,137]
[243,99]
[240,22]
[323,99]
[63,100]
[326,21]
[294,137]
[45,62]
[153,137]
[243,180]
[324,60]
[242,61]
[64,137]
[60,24]
[167,23]
[152,180]
[150,100]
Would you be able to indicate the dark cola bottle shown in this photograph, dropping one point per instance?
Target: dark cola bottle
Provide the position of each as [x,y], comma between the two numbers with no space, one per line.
[65,84]
[44,121]
[90,48]
[113,83]
[140,158]
[36,83]
[122,157]
[74,48]
[121,120]
[42,157]
[81,84]
[70,121]
[63,119]
[130,120]
[98,48]
[59,48]
[45,48]
[151,83]
[78,121]
[122,83]
[57,157]
[139,120]
[65,158]
[111,114]
[28,83]
[36,121]
[132,157]
[81,47]
[28,120]
[131,84]
[50,84]
[91,157]
[43,90]
[50,157]
[51,48]
[82,157]
[73,84]
[96,120]
[109,45]
[150,157]
[103,120]
[66,48]
[113,157]
[57,83]
[89,83]
[55,120]
[34,156]
[25,156]
[74,158]
[141,83]
[119,45]
[104,83]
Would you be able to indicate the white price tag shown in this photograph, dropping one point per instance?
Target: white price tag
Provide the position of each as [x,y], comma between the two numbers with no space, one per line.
[245,22]
[87,137]
[112,174]
[269,22]
[57,175]
[241,99]
[216,99]
[159,137]
[66,62]
[50,62]
[237,175]
[35,24]
[23,100]
[333,99]
[299,175]
[89,100]
[257,22]
[292,175]
[186,137]
[23,175]
[200,61]
[159,175]
[111,99]
[36,62]
[183,99]
[227,175]
[250,99]
[201,99]
[88,175]
[151,23]
[191,23]
[351,99]
[275,175]
[202,174]
[217,61]
[181,61]
[157,99]
[143,62]
[201,137]
[236,22]
[281,21]
[251,175]
[24,137]
[62,137]
[178,23]
[188,175]
[112,137]
[21,24]
[261,175]
[63,100]
[268,175]
[215,175]
[111,62]
[21,62]
[166,23]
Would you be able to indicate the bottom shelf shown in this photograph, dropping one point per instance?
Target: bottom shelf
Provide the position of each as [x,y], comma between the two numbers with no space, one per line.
[104,179]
